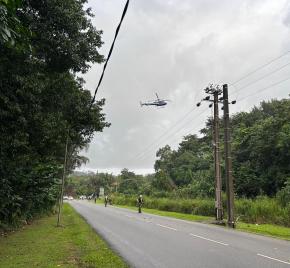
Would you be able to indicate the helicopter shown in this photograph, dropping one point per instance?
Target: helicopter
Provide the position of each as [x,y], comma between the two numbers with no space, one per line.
[158,102]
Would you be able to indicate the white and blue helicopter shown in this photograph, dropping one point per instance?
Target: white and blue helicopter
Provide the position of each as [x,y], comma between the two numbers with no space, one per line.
[158,102]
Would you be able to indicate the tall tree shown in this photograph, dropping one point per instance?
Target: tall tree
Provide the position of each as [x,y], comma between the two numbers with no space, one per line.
[42,101]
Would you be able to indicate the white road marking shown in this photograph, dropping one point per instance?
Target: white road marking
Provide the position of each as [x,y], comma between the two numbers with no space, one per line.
[129,216]
[264,256]
[167,227]
[211,240]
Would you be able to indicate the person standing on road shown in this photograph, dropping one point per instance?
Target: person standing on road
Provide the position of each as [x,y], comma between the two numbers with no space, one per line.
[106,200]
[140,202]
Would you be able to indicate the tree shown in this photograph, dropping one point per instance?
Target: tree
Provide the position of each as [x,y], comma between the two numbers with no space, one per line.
[261,148]
[162,182]
[44,102]
[128,182]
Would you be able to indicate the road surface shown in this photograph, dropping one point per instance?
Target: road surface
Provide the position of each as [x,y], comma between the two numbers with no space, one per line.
[147,241]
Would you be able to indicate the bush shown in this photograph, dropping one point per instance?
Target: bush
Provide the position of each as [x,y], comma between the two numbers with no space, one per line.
[283,196]
[260,210]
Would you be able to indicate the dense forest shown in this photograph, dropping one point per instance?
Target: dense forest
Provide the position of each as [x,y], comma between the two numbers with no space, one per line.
[260,152]
[44,45]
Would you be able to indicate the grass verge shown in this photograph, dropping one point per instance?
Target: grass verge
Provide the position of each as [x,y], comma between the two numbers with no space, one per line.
[265,229]
[262,229]
[176,215]
[42,244]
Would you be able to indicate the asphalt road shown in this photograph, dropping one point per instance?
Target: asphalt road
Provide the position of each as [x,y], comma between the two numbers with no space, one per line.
[146,240]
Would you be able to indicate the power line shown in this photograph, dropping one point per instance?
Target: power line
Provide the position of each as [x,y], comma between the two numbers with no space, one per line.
[259,79]
[111,50]
[168,138]
[161,141]
[165,133]
[265,88]
[173,137]
[259,68]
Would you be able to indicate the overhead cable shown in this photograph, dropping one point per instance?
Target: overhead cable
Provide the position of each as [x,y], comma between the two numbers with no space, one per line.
[111,50]
[259,68]
[259,79]
[165,133]
[265,88]
[144,153]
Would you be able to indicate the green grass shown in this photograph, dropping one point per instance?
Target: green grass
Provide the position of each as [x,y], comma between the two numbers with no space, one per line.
[176,215]
[42,244]
[265,229]
[262,229]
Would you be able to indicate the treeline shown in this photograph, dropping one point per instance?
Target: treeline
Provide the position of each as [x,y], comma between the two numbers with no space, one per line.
[89,184]
[43,45]
[260,151]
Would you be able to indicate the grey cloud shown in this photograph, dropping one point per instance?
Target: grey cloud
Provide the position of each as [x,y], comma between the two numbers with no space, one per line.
[174,48]
[286,19]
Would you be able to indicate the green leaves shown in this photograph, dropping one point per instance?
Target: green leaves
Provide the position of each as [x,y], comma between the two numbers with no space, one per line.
[260,151]
[10,26]
[261,148]
[43,43]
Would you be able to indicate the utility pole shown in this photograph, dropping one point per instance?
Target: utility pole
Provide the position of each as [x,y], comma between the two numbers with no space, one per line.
[216,91]
[62,184]
[228,159]
[218,180]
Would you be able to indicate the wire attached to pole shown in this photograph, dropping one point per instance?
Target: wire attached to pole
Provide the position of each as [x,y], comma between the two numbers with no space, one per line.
[111,50]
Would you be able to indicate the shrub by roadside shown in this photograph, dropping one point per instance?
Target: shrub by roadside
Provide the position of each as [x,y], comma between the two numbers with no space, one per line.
[261,210]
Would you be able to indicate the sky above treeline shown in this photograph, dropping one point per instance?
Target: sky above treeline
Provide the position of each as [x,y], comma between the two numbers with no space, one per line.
[176,48]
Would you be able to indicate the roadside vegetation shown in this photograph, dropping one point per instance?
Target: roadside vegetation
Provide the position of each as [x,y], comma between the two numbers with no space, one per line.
[42,244]
[261,210]
[43,47]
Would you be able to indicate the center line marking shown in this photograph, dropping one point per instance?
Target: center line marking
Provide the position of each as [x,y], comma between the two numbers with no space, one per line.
[166,227]
[264,256]
[209,239]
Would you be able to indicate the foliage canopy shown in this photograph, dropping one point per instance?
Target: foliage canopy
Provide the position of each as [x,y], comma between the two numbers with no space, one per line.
[43,44]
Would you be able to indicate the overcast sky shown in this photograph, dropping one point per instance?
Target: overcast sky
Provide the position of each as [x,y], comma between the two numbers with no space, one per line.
[176,48]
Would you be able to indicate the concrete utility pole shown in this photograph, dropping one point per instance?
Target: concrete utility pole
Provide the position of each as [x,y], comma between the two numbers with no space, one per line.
[228,159]
[216,91]
[62,184]
[218,180]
